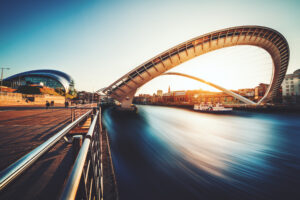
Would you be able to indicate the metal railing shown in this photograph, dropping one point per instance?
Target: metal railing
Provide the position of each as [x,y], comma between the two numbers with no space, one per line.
[86,178]
[17,168]
[116,193]
[77,111]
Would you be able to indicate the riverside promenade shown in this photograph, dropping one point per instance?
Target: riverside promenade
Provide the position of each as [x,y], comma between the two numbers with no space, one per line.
[25,129]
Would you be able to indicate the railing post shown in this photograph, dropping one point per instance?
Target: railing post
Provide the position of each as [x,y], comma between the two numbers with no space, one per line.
[74,113]
[77,142]
[92,117]
[72,119]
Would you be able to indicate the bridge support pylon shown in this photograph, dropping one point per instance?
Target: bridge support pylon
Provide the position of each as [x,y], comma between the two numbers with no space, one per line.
[126,102]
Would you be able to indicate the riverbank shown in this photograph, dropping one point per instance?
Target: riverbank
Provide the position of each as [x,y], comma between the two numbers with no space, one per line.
[269,109]
[248,108]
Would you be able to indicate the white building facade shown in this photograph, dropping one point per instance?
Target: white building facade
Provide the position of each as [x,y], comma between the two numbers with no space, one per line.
[291,88]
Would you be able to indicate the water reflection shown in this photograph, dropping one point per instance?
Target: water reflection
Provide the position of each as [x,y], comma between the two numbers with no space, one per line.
[168,153]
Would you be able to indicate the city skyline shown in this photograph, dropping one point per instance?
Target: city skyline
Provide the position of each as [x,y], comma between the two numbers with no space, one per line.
[97,42]
[170,90]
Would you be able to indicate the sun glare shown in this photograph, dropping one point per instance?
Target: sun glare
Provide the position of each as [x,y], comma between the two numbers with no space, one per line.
[232,68]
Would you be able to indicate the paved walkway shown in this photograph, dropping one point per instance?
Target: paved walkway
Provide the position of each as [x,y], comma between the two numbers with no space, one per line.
[21,131]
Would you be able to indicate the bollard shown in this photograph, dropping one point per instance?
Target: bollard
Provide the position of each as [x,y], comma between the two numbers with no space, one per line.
[77,142]
[74,113]
[72,119]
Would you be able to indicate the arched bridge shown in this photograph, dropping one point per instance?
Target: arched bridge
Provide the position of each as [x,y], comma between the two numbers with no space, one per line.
[272,41]
[239,97]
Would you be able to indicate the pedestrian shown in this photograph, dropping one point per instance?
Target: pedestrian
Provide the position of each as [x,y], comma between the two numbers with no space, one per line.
[47,104]
[52,103]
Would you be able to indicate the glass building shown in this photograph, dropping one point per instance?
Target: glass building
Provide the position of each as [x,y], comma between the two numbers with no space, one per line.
[49,78]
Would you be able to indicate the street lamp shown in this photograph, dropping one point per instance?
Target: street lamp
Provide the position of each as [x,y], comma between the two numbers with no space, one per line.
[2,68]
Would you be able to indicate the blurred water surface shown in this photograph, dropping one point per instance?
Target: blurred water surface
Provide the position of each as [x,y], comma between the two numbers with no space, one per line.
[171,153]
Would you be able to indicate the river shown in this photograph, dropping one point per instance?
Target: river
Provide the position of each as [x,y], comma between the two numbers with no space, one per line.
[172,153]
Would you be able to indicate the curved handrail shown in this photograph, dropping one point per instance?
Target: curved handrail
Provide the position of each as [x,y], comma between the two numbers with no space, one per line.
[16,169]
[74,179]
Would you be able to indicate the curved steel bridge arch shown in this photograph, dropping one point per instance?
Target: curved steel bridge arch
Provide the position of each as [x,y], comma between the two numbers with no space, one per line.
[239,97]
[272,41]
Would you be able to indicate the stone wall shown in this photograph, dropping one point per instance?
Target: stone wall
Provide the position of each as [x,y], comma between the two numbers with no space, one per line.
[10,99]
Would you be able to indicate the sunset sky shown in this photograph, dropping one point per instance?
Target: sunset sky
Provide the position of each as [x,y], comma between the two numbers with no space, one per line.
[96,42]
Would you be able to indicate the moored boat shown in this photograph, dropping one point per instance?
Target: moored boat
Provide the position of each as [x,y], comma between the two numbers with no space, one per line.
[208,108]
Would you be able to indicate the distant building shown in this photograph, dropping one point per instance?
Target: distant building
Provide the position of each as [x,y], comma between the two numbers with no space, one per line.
[159,93]
[180,96]
[142,99]
[260,91]
[189,97]
[247,92]
[49,78]
[87,97]
[291,88]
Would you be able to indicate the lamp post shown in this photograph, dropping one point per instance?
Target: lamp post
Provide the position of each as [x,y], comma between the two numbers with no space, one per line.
[2,69]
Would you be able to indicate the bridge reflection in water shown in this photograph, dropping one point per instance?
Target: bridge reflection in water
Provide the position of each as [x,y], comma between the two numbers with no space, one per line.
[169,153]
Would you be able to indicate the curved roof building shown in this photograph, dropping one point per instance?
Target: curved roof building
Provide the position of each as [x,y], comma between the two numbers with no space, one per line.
[50,78]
